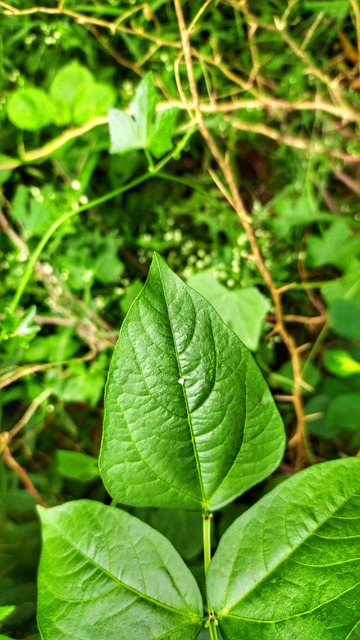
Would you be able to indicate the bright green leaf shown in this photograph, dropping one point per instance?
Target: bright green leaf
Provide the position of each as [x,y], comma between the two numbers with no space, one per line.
[242,310]
[160,139]
[189,420]
[22,328]
[144,107]
[69,81]
[289,566]
[94,100]
[30,108]
[105,574]
[77,465]
[6,611]
[341,363]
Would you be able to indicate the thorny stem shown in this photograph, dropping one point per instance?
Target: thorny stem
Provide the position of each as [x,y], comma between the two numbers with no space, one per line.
[225,166]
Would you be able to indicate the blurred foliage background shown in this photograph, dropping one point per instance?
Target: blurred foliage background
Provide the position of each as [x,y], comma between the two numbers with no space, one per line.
[246,179]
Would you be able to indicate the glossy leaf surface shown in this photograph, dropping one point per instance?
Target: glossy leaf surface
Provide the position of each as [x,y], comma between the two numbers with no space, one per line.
[189,421]
[105,574]
[289,566]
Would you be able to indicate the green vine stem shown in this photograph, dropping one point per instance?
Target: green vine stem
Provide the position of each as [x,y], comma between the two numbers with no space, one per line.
[207,518]
[64,218]
[153,170]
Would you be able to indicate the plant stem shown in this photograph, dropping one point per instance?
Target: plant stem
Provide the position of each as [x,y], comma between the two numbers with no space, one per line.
[207,517]
[64,218]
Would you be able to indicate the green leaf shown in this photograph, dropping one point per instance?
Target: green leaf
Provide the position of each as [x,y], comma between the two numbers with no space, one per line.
[242,310]
[123,131]
[105,574]
[189,420]
[344,318]
[144,108]
[289,566]
[337,246]
[69,81]
[22,328]
[293,208]
[343,413]
[341,363]
[36,213]
[6,611]
[94,100]
[146,130]
[77,465]
[160,138]
[182,528]
[30,109]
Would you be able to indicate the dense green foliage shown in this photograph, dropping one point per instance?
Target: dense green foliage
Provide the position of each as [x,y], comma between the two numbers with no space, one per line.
[107,155]
[196,442]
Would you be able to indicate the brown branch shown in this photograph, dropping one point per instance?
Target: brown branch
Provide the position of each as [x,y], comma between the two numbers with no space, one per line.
[19,470]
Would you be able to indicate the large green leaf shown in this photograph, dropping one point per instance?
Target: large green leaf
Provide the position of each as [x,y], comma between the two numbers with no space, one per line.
[189,421]
[105,574]
[289,566]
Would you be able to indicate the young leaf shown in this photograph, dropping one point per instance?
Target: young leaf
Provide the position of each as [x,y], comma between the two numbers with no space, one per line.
[30,108]
[189,421]
[289,566]
[105,574]
[146,130]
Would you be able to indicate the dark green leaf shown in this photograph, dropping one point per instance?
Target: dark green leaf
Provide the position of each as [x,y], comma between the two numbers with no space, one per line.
[105,574]
[189,420]
[344,413]
[337,246]
[344,318]
[289,566]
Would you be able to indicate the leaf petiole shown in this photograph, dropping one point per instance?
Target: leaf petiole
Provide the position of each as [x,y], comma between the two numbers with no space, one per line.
[207,518]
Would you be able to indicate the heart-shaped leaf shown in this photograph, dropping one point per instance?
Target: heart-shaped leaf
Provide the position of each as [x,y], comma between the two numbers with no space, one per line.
[105,574]
[289,566]
[189,420]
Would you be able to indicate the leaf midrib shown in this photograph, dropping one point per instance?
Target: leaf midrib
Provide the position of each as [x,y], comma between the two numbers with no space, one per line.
[189,420]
